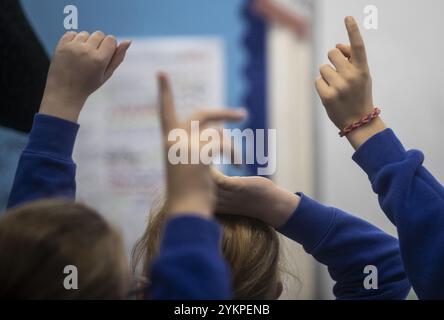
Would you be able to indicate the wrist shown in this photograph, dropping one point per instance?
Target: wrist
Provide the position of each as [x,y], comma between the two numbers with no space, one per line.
[62,106]
[359,136]
[190,206]
[286,204]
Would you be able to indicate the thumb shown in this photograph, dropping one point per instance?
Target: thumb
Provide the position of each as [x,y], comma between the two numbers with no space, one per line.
[117,59]
[222,181]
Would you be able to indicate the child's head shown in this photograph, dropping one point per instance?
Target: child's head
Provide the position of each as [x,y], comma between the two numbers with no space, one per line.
[38,240]
[250,247]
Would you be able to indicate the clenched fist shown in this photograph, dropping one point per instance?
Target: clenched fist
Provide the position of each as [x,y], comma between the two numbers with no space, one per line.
[82,63]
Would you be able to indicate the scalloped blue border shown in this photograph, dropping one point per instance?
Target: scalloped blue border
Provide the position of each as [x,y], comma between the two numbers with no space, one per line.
[255,71]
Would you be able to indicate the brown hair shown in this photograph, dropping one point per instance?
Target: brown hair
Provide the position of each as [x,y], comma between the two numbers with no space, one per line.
[250,247]
[38,240]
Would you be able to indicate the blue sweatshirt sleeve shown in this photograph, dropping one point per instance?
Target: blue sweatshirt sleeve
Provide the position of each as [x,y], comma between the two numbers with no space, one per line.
[346,245]
[190,265]
[46,168]
[414,201]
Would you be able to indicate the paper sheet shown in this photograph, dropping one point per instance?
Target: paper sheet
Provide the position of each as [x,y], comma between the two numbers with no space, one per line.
[118,151]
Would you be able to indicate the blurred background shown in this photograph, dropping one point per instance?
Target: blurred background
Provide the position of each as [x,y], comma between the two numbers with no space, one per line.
[262,55]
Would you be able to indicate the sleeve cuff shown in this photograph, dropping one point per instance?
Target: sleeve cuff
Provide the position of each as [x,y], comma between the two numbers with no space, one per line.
[309,224]
[53,136]
[380,150]
[186,230]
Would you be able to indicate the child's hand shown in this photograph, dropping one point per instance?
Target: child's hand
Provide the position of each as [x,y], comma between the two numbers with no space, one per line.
[255,197]
[81,64]
[190,187]
[346,90]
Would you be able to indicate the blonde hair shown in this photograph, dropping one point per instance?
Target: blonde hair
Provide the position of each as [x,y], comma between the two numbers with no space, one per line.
[250,247]
[38,240]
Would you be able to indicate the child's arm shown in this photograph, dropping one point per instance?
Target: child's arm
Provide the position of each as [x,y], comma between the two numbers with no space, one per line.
[46,168]
[190,264]
[414,201]
[81,64]
[346,245]
[409,195]
[342,242]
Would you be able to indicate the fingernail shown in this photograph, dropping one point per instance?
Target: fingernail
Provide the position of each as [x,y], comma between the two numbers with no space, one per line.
[241,111]
[161,76]
[127,44]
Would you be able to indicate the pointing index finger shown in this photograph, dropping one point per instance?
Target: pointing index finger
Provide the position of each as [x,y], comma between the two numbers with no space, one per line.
[357,43]
[166,101]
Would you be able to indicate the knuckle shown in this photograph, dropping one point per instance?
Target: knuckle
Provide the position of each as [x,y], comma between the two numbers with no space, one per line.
[364,75]
[81,48]
[112,39]
[359,46]
[353,28]
[342,89]
[327,99]
[341,86]
[330,97]
[68,33]
[324,68]
[97,59]
[349,76]
[62,47]
[332,53]
[357,77]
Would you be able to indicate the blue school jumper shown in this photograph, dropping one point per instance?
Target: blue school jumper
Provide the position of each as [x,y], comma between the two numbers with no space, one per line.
[413,200]
[190,264]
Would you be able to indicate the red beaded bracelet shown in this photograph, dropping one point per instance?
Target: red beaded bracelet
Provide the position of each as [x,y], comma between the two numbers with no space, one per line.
[368,118]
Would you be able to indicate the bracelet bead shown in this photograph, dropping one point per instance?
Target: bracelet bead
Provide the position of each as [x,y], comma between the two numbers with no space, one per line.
[368,118]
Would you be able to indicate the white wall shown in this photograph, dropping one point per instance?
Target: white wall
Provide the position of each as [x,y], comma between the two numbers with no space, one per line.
[289,113]
[406,61]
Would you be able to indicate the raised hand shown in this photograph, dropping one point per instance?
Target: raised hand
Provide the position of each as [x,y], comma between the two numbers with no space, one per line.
[346,88]
[82,63]
[190,187]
